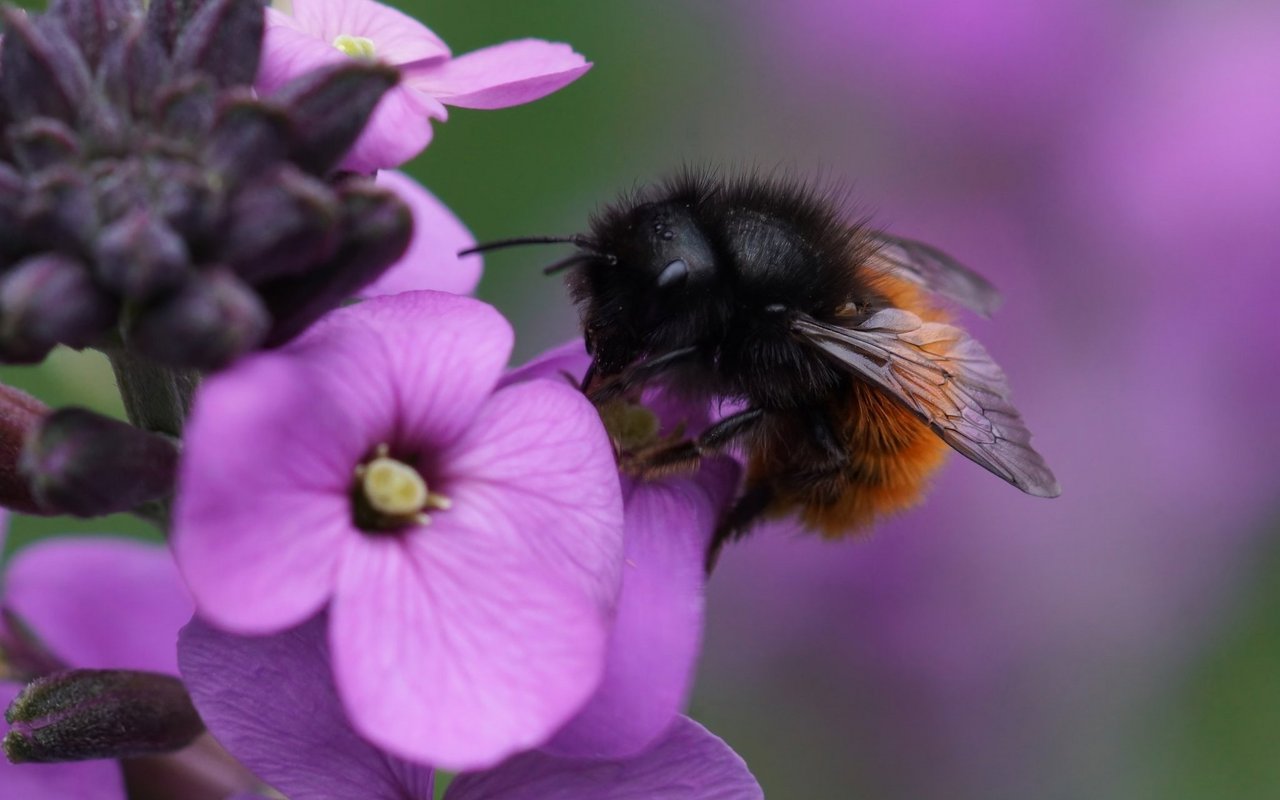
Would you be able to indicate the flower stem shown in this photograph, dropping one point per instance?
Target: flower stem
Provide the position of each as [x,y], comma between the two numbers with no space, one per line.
[156,398]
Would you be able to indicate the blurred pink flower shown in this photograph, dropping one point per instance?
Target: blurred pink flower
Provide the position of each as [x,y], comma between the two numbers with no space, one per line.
[305,476]
[432,261]
[271,701]
[90,602]
[320,32]
[942,70]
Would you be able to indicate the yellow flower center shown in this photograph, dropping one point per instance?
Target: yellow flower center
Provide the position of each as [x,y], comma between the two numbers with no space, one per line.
[356,46]
[395,492]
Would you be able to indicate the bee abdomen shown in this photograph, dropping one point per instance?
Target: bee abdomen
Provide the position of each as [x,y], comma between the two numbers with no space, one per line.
[889,457]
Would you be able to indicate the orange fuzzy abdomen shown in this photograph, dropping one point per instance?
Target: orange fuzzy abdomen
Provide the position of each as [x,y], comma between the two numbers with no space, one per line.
[892,455]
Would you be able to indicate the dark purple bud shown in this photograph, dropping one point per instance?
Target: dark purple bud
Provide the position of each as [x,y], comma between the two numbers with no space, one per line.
[282,225]
[46,300]
[93,23]
[205,325]
[84,714]
[223,40]
[248,137]
[134,68]
[377,228]
[139,256]
[87,465]
[329,107]
[58,210]
[42,142]
[186,196]
[41,70]
[184,109]
[11,195]
[166,18]
[20,416]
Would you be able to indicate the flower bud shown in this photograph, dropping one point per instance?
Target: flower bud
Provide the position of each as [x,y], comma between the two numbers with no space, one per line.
[330,107]
[376,231]
[223,41]
[205,324]
[38,52]
[282,226]
[140,256]
[85,714]
[20,416]
[87,465]
[47,299]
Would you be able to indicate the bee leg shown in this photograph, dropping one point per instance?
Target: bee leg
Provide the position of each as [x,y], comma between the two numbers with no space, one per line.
[635,376]
[686,454]
[733,526]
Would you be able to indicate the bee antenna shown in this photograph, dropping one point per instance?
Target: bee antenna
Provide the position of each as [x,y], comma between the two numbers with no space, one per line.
[576,239]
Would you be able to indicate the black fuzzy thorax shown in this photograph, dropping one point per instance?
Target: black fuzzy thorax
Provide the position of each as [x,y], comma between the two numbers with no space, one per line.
[758,251]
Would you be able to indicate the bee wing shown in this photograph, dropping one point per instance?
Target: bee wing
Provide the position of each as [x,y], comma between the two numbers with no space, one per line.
[932,269]
[945,377]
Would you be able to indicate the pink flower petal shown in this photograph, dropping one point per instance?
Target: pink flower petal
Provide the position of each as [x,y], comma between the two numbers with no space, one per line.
[288,53]
[689,763]
[541,453]
[431,261]
[101,603]
[397,37]
[86,780]
[269,457]
[654,643]
[445,352]
[270,701]
[504,75]
[399,129]
[451,650]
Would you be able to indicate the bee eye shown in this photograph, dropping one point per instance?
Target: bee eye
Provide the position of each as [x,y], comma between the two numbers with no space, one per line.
[673,273]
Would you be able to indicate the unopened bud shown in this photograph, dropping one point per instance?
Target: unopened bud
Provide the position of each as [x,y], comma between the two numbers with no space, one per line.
[20,416]
[282,226]
[330,107]
[205,324]
[377,229]
[140,256]
[85,714]
[85,464]
[46,300]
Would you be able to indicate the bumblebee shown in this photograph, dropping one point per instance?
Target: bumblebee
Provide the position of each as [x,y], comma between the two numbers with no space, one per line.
[848,382]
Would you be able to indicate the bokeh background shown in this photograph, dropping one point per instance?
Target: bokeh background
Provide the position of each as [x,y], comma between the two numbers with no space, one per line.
[1113,166]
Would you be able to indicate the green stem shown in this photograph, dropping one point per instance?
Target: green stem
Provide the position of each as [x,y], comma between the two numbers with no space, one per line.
[156,398]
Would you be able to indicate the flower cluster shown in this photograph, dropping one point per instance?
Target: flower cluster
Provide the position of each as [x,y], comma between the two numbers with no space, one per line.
[149,198]
[400,556]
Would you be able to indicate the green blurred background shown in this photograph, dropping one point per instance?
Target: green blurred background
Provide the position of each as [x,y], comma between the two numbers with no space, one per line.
[697,82]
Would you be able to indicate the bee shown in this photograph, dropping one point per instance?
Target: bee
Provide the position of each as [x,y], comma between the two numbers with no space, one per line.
[847,381]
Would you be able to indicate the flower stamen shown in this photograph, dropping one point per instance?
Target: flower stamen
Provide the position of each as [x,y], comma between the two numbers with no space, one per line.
[394,494]
[356,46]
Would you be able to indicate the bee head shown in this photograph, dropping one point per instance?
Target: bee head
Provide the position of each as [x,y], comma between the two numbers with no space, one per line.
[649,288]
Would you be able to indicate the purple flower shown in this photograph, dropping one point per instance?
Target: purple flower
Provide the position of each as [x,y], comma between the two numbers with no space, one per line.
[271,701]
[324,31]
[432,261]
[657,631]
[85,602]
[466,541]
